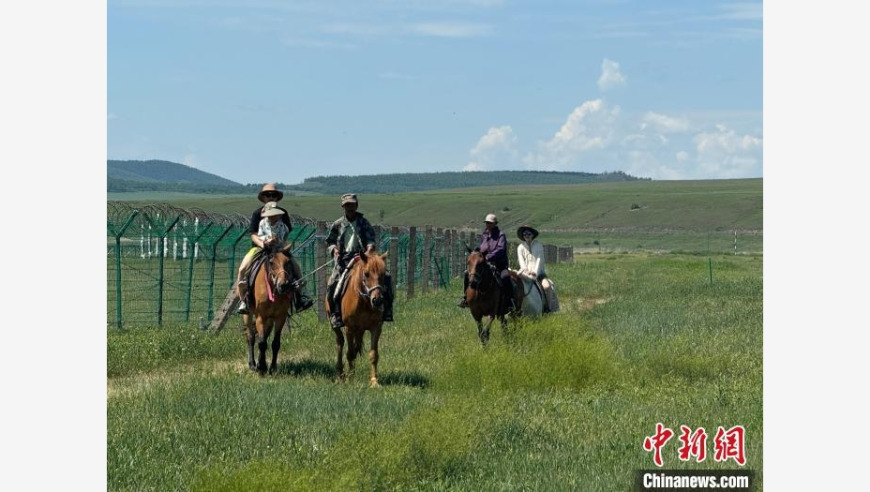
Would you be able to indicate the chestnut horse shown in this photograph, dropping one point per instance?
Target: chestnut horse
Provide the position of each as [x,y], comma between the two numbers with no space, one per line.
[273,291]
[484,294]
[362,307]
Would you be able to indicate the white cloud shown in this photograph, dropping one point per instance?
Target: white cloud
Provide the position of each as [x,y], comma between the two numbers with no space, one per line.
[683,156]
[663,123]
[495,150]
[723,153]
[611,77]
[451,29]
[743,11]
[589,127]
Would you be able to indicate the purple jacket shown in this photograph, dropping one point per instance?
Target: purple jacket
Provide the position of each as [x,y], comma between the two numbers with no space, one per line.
[493,245]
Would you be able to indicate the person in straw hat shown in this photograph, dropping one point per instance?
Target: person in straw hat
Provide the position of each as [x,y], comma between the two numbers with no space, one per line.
[350,235]
[264,229]
[493,245]
[530,254]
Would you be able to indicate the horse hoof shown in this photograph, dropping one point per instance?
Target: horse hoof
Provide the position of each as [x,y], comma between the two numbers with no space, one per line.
[374,383]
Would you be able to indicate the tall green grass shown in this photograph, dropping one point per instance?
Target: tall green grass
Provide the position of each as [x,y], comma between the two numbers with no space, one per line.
[560,403]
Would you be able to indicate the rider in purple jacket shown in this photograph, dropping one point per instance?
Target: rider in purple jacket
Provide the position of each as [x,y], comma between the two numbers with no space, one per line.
[493,245]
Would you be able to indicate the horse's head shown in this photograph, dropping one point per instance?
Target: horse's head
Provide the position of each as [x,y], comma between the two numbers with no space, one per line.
[477,267]
[279,267]
[372,272]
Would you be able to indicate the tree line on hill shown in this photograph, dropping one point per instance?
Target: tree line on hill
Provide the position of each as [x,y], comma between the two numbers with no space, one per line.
[131,176]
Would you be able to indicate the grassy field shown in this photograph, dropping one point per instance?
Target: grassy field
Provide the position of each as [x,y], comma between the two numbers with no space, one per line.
[561,403]
[631,216]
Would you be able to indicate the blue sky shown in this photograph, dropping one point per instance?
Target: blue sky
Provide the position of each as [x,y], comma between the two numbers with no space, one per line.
[259,91]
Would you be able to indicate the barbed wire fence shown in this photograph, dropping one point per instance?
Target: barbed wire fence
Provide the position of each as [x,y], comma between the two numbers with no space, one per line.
[171,265]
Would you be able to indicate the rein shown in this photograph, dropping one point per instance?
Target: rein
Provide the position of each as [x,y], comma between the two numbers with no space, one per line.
[368,290]
[272,278]
[482,288]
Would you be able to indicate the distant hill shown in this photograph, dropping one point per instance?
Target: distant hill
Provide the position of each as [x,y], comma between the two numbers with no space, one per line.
[408,182]
[155,175]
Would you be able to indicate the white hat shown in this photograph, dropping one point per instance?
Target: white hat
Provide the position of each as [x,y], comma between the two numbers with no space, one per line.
[491,218]
[270,209]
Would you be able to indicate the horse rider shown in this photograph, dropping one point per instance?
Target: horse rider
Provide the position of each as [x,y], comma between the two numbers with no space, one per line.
[269,193]
[493,245]
[349,236]
[530,254]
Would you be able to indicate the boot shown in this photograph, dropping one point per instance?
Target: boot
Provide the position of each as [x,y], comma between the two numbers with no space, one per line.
[303,302]
[243,297]
[335,321]
[334,307]
[388,299]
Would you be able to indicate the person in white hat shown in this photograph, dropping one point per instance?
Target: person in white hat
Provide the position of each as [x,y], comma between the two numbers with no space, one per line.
[349,236]
[530,254]
[259,229]
[493,245]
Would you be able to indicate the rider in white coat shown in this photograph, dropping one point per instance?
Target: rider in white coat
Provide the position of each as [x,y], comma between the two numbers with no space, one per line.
[530,254]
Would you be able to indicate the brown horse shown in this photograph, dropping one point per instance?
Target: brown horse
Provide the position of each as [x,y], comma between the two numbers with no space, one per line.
[362,306]
[484,294]
[273,294]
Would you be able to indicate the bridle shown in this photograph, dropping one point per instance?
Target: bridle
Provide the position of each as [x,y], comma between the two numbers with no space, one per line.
[364,290]
[477,281]
[275,277]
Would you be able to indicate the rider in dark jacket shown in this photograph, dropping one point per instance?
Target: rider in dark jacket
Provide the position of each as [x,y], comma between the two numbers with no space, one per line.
[493,245]
[349,236]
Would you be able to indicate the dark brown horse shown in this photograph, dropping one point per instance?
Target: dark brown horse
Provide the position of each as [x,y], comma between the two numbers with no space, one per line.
[362,307]
[484,294]
[273,294]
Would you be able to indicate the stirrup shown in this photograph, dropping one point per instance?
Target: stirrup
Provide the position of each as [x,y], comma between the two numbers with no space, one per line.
[304,303]
[243,308]
[336,321]
[299,284]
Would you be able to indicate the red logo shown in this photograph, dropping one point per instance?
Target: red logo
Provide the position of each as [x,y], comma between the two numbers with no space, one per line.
[728,444]
[657,441]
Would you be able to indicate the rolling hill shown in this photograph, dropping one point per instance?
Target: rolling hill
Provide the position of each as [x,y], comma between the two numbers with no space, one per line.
[156,175]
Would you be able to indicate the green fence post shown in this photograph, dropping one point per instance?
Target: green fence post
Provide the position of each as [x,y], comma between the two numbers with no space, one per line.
[710,269]
[190,271]
[232,261]
[118,267]
[160,263]
[211,272]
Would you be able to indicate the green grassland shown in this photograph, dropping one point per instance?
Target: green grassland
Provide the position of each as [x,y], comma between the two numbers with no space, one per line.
[628,216]
[560,403]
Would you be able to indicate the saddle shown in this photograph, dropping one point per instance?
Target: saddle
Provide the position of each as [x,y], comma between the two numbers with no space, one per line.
[251,276]
[341,283]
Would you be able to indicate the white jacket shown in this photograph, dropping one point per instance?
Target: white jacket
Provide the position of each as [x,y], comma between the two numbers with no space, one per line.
[531,258]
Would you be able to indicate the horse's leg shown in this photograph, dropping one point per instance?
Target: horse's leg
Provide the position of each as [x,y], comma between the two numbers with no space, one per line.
[262,343]
[276,343]
[373,356]
[250,335]
[354,345]
[339,348]
[484,337]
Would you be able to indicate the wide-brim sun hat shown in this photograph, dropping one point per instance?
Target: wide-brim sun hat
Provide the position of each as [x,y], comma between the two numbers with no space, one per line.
[348,198]
[491,218]
[270,188]
[271,209]
[524,228]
